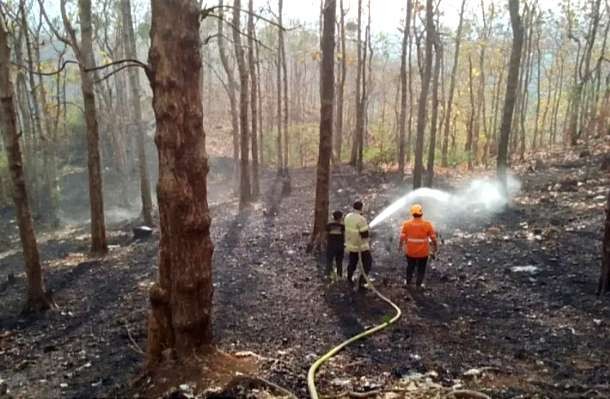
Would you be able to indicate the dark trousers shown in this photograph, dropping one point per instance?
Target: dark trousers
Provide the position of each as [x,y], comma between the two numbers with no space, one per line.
[420,265]
[334,253]
[367,262]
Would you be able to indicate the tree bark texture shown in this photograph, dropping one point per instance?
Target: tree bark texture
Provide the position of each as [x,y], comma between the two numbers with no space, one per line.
[253,100]
[181,299]
[402,118]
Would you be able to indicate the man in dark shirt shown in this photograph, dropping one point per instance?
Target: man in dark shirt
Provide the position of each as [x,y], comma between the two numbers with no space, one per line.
[335,244]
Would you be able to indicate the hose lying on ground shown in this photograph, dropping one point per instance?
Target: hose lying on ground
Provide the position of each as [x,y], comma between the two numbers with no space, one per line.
[311,375]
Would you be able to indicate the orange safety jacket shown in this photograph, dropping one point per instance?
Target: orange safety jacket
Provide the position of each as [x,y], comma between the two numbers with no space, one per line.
[416,235]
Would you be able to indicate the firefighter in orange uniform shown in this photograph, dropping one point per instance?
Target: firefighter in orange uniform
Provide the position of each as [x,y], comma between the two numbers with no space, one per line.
[418,240]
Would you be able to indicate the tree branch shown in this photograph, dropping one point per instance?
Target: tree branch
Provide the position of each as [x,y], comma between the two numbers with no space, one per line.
[132,63]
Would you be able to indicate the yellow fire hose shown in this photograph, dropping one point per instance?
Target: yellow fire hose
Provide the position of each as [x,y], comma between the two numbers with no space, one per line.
[311,375]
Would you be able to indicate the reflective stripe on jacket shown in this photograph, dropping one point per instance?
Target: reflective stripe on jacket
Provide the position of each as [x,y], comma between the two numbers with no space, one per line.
[416,235]
[355,227]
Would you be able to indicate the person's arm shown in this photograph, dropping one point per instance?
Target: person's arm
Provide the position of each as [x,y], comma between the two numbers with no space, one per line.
[363,229]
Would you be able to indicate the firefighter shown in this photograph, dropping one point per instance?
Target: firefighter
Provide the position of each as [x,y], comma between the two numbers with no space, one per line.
[418,240]
[335,244]
[357,243]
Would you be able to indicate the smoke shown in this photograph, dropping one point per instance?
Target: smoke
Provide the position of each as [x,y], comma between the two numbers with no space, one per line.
[483,197]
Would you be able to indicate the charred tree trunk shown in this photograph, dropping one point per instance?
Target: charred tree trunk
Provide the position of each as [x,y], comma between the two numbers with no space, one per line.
[327,100]
[456,55]
[280,35]
[423,99]
[286,115]
[245,195]
[135,93]
[253,100]
[37,298]
[511,90]
[403,92]
[181,300]
[84,54]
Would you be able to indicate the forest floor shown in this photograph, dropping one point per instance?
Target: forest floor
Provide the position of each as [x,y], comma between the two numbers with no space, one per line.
[480,324]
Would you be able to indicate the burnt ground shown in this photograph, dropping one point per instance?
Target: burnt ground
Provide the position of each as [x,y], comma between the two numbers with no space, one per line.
[514,334]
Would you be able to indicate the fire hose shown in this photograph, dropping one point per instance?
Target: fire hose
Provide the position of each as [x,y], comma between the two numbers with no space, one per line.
[311,375]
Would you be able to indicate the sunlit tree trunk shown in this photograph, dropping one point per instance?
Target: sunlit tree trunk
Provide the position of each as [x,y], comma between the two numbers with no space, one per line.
[280,35]
[327,100]
[37,298]
[181,299]
[286,115]
[135,93]
[511,90]
[423,98]
[471,118]
[359,117]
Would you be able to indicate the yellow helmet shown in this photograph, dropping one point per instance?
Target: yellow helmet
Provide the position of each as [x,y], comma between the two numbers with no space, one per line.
[417,210]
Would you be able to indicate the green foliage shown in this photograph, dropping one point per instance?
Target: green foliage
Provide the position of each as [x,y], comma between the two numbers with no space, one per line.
[379,157]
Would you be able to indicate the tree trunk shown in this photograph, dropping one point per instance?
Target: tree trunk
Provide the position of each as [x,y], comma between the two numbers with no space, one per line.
[403,92]
[511,90]
[245,195]
[341,87]
[181,300]
[359,117]
[423,99]
[604,279]
[327,100]
[280,35]
[456,55]
[253,100]
[84,53]
[433,123]
[285,92]
[471,119]
[37,298]
[135,90]
[232,87]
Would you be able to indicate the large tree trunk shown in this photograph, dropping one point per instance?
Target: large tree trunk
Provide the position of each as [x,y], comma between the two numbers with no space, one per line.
[604,279]
[341,87]
[511,90]
[423,98]
[472,117]
[232,87]
[37,298]
[84,53]
[403,92]
[456,55]
[181,300]
[433,122]
[253,100]
[135,92]
[285,93]
[327,101]
[245,194]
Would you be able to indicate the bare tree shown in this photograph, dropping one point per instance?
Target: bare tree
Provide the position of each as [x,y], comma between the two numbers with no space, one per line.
[327,101]
[245,195]
[511,89]
[456,55]
[438,46]
[280,41]
[84,54]
[341,86]
[181,299]
[356,136]
[423,98]
[403,91]
[37,298]
[253,99]
[231,88]
[135,93]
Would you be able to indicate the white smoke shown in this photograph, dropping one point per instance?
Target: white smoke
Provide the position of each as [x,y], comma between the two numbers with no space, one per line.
[480,196]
